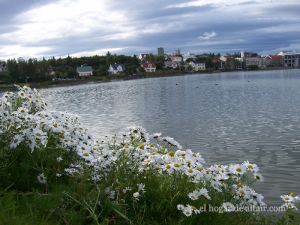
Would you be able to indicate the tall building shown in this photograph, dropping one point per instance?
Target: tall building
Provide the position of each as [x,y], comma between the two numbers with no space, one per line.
[161,51]
[291,59]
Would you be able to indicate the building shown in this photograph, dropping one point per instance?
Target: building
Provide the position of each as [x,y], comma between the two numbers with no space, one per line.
[149,67]
[266,61]
[176,58]
[116,68]
[230,63]
[197,66]
[160,51]
[2,66]
[253,61]
[84,71]
[291,59]
[172,65]
[277,61]
[248,54]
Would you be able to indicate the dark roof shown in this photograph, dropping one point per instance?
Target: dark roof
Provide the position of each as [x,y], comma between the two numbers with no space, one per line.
[115,66]
[84,69]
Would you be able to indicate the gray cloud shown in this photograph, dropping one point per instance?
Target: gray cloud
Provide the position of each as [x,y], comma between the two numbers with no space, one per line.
[133,26]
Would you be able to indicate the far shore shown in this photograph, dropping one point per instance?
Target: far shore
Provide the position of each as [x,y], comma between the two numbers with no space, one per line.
[109,78]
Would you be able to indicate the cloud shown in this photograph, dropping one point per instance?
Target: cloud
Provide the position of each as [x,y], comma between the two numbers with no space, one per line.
[15,51]
[96,52]
[208,35]
[77,27]
[215,3]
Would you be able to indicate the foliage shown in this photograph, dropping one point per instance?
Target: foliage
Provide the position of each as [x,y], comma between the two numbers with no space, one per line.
[33,70]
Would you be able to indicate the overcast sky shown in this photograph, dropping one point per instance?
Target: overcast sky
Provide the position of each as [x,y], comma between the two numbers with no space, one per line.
[36,28]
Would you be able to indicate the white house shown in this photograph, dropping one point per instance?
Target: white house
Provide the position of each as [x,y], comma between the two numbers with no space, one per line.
[197,66]
[171,64]
[149,67]
[84,71]
[253,61]
[176,58]
[116,68]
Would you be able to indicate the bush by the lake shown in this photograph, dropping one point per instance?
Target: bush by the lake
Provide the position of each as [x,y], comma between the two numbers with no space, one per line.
[52,171]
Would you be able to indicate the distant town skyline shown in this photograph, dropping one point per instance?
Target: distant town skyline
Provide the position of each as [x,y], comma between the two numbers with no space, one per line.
[44,28]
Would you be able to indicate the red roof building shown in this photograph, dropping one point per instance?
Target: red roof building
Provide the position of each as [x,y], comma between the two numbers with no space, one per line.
[149,67]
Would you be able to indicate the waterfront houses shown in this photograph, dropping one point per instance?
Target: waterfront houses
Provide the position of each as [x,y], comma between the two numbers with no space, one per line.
[196,67]
[291,59]
[229,62]
[173,61]
[171,65]
[252,61]
[149,67]
[277,61]
[84,71]
[116,68]
[176,58]
[35,70]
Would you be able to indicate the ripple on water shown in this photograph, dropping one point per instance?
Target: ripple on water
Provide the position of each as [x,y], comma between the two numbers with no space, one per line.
[248,116]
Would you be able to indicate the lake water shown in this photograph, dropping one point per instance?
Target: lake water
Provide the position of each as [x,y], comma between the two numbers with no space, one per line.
[228,117]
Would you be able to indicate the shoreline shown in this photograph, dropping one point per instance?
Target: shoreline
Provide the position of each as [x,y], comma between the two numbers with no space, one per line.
[108,78]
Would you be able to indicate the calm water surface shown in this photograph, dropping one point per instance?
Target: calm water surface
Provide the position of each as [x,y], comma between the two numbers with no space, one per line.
[228,117]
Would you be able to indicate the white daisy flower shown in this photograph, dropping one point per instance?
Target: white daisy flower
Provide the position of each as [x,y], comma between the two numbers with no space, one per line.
[42,178]
[228,207]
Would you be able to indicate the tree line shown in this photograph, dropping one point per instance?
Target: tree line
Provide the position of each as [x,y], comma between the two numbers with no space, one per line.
[33,70]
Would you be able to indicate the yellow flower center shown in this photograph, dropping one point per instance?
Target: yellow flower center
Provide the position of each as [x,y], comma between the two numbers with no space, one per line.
[239,170]
[250,166]
[200,169]
[190,170]
[171,153]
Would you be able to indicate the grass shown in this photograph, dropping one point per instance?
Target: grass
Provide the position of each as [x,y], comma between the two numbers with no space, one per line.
[75,200]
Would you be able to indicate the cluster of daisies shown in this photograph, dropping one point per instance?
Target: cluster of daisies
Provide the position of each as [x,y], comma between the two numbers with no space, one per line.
[24,119]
